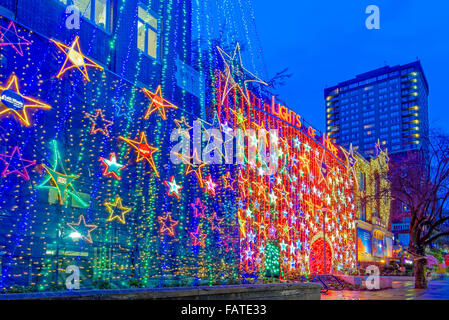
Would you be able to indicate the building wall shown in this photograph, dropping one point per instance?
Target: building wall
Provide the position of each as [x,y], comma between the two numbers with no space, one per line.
[390,104]
[374,220]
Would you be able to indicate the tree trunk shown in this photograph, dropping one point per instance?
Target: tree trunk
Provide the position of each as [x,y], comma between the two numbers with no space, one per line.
[420,272]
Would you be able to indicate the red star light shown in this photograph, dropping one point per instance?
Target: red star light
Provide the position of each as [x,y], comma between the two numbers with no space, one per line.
[157,103]
[99,123]
[144,150]
[199,237]
[198,208]
[167,224]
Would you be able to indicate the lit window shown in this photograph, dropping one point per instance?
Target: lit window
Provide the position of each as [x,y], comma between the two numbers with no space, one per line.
[96,11]
[147,38]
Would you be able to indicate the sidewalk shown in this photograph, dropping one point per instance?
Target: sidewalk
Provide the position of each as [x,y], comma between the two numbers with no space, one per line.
[402,290]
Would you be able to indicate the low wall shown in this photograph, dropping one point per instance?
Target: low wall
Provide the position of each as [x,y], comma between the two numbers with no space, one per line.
[291,291]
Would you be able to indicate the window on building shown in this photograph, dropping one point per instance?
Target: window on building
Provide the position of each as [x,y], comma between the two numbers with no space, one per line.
[147,35]
[362,181]
[96,11]
[363,210]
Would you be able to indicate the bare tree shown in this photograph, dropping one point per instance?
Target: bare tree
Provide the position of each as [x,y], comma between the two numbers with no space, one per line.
[420,180]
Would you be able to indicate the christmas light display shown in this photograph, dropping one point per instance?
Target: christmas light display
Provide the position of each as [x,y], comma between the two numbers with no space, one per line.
[167,227]
[246,219]
[144,150]
[173,188]
[14,163]
[157,103]
[111,166]
[60,181]
[99,123]
[117,206]
[82,230]
[13,102]
[10,37]
[75,59]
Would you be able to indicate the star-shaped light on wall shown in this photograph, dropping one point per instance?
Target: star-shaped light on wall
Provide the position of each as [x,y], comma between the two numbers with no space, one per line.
[81,230]
[173,188]
[10,37]
[14,163]
[117,206]
[350,161]
[75,59]
[15,103]
[322,167]
[99,123]
[60,181]
[144,150]
[234,69]
[199,238]
[193,167]
[111,166]
[157,103]
[167,224]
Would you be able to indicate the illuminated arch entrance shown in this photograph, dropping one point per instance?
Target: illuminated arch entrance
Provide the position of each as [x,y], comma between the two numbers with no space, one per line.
[319,252]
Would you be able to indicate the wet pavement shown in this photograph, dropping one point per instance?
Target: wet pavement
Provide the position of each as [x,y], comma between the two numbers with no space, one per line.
[402,290]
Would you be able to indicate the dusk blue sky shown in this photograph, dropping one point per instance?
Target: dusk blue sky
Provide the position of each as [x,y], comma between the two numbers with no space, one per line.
[326,42]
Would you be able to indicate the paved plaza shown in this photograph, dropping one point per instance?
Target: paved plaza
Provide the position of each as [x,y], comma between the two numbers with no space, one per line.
[402,290]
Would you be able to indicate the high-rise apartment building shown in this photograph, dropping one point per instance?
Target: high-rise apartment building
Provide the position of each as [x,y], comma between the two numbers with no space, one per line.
[389,104]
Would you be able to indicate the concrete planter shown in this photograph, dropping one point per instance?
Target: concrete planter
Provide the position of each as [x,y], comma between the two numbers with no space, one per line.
[281,291]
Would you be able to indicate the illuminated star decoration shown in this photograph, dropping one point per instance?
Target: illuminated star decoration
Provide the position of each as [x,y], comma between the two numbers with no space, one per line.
[157,103]
[210,186]
[193,167]
[323,169]
[144,150]
[13,102]
[99,123]
[198,208]
[16,164]
[235,70]
[83,230]
[228,181]
[111,166]
[75,59]
[118,106]
[215,226]
[60,181]
[350,161]
[199,238]
[10,37]
[173,187]
[183,127]
[117,205]
[167,228]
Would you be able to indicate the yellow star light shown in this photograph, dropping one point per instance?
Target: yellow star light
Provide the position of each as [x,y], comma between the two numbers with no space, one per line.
[75,59]
[197,165]
[117,205]
[13,102]
[144,150]
[157,103]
